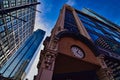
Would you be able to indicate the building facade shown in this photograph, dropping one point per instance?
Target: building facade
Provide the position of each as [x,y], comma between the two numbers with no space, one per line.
[18,65]
[82,46]
[106,37]
[17,19]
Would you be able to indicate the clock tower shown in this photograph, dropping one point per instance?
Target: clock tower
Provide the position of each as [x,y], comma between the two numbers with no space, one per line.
[69,53]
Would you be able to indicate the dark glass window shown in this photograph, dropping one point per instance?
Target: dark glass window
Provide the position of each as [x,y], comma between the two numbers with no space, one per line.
[2,28]
[15,27]
[19,12]
[4,40]
[70,23]
[5,48]
[13,3]
[14,15]
[23,1]
[110,32]
[93,36]
[88,26]
[5,3]
[117,39]
[18,2]
[83,17]
[7,18]
[14,22]
[98,31]
[1,53]
[9,30]
[16,34]
[87,20]
[69,18]
[2,34]
[1,20]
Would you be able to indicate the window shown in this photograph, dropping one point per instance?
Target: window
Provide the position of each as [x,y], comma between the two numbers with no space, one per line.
[23,1]
[14,15]
[11,40]
[5,43]
[18,2]
[2,34]
[88,27]
[5,3]
[20,31]
[27,10]
[14,22]
[108,31]
[1,20]
[83,17]
[92,28]
[9,25]
[1,53]
[27,18]
[93,36]
[70,23]
[15,27]
[5,48]
[98,31]
[30,1]
[114,33]
[16,34]
[7,18]
[9,30]
[118,40]
[2,28]
[4,40]
[86,19]
[101,25]
[19,12]
[19,23]
[12,3]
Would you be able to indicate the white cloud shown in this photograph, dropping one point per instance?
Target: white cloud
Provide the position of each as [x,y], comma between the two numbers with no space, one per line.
[40,21]
[70,2]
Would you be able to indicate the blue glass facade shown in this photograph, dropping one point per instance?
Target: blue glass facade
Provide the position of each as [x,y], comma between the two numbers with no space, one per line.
[17,64]
[15,26]
[106,36]
[98,30]
[101,18]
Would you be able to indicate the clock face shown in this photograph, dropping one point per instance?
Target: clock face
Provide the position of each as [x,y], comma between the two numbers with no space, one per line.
[78,52]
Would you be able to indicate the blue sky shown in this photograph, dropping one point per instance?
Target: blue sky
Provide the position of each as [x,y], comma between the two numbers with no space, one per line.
[50,9]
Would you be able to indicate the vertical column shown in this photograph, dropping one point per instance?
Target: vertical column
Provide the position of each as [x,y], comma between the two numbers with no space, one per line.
[82,29]
[47,66]
[59,26]
[48,60]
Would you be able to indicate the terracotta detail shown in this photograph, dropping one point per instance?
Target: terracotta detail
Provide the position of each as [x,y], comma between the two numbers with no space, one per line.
[65,48]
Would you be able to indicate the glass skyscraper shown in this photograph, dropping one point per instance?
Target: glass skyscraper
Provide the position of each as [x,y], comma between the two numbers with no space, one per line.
[16,67]
[17,19]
